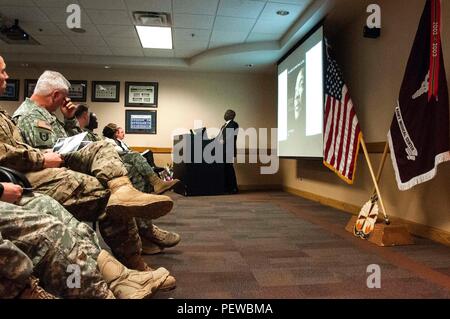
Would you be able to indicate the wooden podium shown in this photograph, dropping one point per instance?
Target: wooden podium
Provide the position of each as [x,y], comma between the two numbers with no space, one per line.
[383,235]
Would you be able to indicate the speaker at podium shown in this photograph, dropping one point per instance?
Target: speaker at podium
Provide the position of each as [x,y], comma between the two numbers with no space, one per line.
[198,177]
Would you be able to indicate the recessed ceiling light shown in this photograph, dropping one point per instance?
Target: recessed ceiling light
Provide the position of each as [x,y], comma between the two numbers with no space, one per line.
[155,37]
[107,67]
[282,12]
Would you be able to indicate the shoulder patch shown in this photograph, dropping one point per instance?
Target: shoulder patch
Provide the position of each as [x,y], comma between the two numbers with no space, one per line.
[44,125]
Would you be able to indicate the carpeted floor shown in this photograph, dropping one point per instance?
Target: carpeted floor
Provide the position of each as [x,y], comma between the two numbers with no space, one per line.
[275,245]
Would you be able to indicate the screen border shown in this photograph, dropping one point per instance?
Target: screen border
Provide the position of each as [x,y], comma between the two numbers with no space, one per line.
[284,57]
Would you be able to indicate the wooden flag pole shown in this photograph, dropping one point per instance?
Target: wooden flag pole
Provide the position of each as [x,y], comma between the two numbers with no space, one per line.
[383,161]
[375,179]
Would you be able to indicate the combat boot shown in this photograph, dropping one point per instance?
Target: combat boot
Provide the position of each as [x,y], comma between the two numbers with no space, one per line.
[149,247]
[126,283]
[126,201]
[34,291]
[161,237]
[160,186]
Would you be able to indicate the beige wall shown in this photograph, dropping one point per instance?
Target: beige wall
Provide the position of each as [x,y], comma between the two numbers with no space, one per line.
[374,71]
[183,98]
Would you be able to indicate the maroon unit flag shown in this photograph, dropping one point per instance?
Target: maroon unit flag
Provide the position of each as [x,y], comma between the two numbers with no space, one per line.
[419,134]
[342,134]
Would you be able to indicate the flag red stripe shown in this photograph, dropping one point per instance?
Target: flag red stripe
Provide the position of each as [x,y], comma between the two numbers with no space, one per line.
[344,126]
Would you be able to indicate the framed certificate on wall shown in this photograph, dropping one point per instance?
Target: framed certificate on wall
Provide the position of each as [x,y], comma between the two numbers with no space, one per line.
[143,94]
[105,91]
[140,122]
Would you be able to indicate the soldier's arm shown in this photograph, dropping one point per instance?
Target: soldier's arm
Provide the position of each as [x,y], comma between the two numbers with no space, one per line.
[22,159]
[14,263]
[36,131]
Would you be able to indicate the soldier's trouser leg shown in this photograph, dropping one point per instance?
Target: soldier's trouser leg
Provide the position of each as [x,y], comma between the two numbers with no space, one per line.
[81,194]
[122,236]
[52,247]
[98,159]
[138,171]
[15,268]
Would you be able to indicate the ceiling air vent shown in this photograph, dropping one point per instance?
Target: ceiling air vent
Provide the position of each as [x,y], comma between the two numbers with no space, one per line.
[157,19]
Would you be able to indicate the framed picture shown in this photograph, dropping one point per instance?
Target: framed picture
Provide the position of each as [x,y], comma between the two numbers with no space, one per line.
[141,94]
[11,91]
[140,122]
[78,90]
[105,91]
[29,87]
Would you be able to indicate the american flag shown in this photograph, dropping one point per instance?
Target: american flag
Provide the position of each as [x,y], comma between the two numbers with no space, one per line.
[342,132]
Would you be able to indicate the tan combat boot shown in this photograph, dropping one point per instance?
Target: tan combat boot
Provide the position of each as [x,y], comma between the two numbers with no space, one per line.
[126,283]
[126,201]
[149,247]
[160,237]
[34,291]
[160,186]
[136,262]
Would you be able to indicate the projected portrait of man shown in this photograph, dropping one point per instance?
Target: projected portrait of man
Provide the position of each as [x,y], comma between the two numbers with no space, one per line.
[299,93]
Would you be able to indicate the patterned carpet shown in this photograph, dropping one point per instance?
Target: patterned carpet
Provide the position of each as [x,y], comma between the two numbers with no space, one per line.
[275,245]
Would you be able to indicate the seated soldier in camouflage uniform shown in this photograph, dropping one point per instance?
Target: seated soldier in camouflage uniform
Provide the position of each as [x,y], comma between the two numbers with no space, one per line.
[38,237]
[154,239]
[85,196]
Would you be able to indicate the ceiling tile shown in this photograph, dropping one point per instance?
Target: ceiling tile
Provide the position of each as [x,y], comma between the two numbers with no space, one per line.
[228,37]
[66,49]
[145,5]
[59,15]
[17,48]
[158,53]
[119,42]
[95,50]
[194,21]
[41,28]
[186,35]
[16,3]
[240,8]
[29,14]
[298,2]
[103,4]
[257,37]
[55,3]
[127,51]
[81,40]
[109,17]
[195,6]
[271,26]
[116,30]
[190,46]
[233,24]
[54,40]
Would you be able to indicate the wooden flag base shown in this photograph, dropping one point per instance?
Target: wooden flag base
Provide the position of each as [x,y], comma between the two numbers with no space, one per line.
[386,235]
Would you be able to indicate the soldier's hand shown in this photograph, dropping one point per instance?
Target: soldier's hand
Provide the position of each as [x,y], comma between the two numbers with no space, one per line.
[68,109]
[53,160]
[12,193]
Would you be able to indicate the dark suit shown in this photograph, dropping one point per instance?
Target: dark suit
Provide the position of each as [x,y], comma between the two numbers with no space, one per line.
[229,137]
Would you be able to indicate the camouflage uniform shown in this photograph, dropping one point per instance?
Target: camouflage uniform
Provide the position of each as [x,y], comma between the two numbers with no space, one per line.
[83,195]
[42,230]
[15,268]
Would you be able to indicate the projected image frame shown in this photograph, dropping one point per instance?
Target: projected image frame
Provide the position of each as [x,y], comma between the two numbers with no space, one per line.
[281,151]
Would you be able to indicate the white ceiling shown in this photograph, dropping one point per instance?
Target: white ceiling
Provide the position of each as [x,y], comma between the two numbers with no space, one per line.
[223,35]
